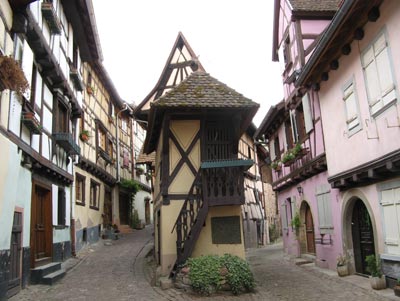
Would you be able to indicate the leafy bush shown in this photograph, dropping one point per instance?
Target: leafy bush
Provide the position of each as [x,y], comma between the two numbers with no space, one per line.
[373,266]
[206,276]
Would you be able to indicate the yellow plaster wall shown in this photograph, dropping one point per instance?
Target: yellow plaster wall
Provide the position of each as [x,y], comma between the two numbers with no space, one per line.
[85,217]
[204,245]
[168,240]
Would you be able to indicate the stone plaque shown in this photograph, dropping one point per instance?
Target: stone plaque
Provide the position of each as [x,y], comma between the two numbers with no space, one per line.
[226,230]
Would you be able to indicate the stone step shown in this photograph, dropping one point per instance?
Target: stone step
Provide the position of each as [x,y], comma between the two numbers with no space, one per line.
[124,229]
[39,272]
[52,278]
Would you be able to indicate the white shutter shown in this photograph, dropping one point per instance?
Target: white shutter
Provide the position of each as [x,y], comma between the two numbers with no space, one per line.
[54,199]
[272,149]
[372,83]
[351,107]
[321,211]
[284,216]
[293,204]
[67,206]
[294,125]
[308,119]
[391,211]
[324,208]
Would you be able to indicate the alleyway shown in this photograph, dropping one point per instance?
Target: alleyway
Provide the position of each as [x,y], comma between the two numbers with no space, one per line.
[121,272]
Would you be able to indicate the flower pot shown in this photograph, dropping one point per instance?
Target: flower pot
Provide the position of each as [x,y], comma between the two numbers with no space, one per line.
[84,137]
[378,283]
[342,270]
[89,90]
[396,290]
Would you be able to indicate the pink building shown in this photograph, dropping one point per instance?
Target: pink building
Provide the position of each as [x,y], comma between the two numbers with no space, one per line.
[293,128]
[355,69]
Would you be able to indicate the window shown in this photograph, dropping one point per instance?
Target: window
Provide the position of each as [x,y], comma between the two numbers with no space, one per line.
[287,58]
[61,216]
[111,110]
[289,134]
[389,196]
[378,75]
[288,208]
[324,208]
[277,147]
[61,116]
[125,162]
[350,102]
[124,124]
[299,129]
[105,146]
[79,189]
[94,194]
[308,118]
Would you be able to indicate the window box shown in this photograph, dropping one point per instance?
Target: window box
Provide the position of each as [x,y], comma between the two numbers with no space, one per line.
[76,79]
[66,141]
[51,17]
[103,154]
[31,122]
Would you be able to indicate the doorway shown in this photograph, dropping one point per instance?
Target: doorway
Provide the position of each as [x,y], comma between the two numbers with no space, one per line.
[14,284]
[124,208]
[363,236]
[41,226]
[147,210]
[310,237]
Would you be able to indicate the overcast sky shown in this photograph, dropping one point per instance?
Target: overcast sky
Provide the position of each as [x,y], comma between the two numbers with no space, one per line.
[232,38]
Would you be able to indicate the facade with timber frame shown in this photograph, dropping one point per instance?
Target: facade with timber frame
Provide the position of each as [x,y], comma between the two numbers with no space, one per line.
[194,124]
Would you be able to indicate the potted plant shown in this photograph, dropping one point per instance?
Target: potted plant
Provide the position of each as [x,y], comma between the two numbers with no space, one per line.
[296,223]
[341,266]
[84,135]
[276,165]
[11,75]
[89,90]
[288,158]
[396,288]
[378,280]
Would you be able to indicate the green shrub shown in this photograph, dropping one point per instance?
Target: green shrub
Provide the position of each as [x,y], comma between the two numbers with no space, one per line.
[373,266]
[205,273]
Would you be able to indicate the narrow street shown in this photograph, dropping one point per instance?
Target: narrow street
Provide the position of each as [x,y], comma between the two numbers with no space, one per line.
[122,272]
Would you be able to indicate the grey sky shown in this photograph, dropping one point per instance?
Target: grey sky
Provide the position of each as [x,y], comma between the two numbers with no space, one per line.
[232,38]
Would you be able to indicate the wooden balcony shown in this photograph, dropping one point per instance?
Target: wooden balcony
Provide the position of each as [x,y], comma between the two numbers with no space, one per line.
[67,142]
[51,17]
[223,182]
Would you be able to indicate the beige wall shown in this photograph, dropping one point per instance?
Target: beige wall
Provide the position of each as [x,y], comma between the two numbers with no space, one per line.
[204,245]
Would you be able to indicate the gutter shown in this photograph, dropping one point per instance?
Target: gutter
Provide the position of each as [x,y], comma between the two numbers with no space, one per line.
[326,37]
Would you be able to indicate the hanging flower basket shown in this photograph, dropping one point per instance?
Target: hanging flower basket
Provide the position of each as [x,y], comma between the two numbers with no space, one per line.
[84,136]
[30,121]
[11,75]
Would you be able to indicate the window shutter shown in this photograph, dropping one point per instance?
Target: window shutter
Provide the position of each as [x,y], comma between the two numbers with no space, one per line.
[284,216]
[67,207]
[308,120]
[391,211]
[27,67]
[54,199]
[272,149]
[294,126]
[351,107]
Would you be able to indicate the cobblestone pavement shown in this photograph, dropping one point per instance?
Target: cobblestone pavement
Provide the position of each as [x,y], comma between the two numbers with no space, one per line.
[123,272]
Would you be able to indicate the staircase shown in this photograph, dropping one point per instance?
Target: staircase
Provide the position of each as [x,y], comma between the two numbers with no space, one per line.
[47,274]
[189,223]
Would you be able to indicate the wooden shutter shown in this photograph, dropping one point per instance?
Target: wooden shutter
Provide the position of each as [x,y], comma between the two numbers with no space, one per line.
[272,149]
[284,216]
[324,209]
[391,211]
[351,107]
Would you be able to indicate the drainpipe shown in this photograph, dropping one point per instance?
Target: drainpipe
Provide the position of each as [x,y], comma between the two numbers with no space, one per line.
[125,107]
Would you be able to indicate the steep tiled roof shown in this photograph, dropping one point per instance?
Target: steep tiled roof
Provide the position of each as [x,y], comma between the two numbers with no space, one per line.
[315,5]
[200,90]
[146,158]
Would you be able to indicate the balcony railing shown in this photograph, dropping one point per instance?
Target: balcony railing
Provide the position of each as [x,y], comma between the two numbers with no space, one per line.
[67,142]
[76,79]
[223,181]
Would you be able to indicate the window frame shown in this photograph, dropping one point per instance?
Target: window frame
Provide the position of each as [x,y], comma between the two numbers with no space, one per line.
[94,197]
[82,179]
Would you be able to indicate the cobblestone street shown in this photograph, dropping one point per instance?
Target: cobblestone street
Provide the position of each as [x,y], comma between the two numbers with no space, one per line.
[122,272]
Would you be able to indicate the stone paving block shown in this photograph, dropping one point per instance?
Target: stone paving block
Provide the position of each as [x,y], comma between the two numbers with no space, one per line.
[166,283]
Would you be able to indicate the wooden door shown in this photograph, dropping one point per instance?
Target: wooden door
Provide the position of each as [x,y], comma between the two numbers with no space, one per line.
[310,231]
[363,236]
[107,220]
[41,227]
[14,284]
[147,211]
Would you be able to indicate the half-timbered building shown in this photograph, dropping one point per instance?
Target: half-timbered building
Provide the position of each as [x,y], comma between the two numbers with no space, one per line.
[194,124]
[39,132]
